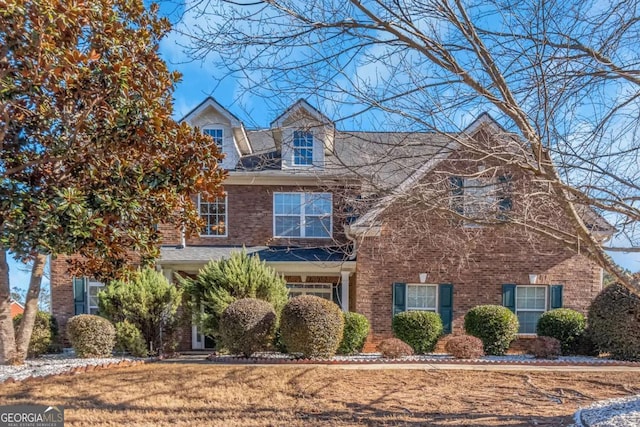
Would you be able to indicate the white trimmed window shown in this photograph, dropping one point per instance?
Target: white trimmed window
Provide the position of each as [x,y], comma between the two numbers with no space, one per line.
[217,135]
[302,215]
[322,290]
[93,288]
[302,148]
[531,302]
[214,214]
[422,297]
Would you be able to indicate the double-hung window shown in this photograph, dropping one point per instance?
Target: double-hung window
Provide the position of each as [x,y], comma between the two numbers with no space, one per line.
[217,135]
[481,198]
[422,297]
[214,214]
[302,215]
[531,302]
[302,148]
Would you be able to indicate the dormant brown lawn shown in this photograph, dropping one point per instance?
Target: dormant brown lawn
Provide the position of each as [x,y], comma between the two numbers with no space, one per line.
[163,394]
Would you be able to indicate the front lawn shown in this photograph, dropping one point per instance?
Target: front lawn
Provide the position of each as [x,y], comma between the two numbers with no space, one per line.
[163,394]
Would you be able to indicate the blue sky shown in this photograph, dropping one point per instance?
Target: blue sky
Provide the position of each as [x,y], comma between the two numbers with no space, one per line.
[198,82]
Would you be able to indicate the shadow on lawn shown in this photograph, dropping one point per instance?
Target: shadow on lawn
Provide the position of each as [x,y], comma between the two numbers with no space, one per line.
[304,399]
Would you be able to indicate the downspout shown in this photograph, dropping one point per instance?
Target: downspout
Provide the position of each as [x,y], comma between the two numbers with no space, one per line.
[353,240]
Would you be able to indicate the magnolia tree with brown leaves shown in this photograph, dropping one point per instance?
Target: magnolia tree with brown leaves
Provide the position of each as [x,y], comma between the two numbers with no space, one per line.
[561,79]
[91,159]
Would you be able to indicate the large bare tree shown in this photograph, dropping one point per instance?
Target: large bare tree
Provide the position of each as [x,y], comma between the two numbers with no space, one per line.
[562,78]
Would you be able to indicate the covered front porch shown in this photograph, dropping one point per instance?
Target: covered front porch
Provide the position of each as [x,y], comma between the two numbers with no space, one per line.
[323,272]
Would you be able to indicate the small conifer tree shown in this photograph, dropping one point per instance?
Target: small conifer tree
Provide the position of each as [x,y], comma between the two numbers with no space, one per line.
[149,302]
[222,282]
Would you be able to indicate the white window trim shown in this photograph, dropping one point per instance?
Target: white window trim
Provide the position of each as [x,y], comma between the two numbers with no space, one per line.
[326,288]
[221,129]
[489,185]
[293,149]
[546,305]
[302,216]
[226,218]
[92,284]
[429,285]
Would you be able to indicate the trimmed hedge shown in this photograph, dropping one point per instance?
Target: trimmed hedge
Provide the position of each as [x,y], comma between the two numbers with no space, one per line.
[565,325]
[464,347]
[419,329]
[545,348]
[248,325]
[311,326]
[44,334]
[393,348]
[614,322]
[495,325]
[129,339]
[91,336]
[356,329]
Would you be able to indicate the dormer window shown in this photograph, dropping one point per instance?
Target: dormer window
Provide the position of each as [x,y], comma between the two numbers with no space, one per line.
[217,135]
[302,148]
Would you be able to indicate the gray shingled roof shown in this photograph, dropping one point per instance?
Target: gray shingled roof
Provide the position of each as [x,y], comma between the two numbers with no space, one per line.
[384,159]
[194,254]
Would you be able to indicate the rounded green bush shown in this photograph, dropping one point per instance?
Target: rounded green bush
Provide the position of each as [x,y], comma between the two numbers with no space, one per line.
[247,325]
[356,329]
[44,334]
[614,322]
[312,326]
[419,329]
[563,324]
[129,339]
[91,336]
[495,325]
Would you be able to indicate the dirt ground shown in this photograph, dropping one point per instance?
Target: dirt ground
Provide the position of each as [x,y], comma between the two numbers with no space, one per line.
[208,395]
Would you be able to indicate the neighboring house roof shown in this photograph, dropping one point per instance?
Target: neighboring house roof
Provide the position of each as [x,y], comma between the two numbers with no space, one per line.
[189,254]
[16,308]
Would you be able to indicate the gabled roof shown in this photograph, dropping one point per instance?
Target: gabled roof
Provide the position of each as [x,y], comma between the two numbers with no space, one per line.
[304,105]
[210,102]
[484,120]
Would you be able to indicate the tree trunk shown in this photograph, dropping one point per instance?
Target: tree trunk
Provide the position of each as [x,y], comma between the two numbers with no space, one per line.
[23,335]
[7,335]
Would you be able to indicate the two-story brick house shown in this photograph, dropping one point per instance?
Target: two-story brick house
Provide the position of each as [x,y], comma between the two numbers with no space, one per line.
[295,197]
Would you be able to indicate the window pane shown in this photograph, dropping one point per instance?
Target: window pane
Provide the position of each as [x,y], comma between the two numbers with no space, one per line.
[530,298]
[302,148]
[317,227]
[528,321]
[216,134]
[288,204]
[318,204]
[288,226]
[421,297]
[214,215]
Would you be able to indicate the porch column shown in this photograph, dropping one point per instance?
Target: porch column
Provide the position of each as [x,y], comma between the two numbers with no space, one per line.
[344,297]
[168,274]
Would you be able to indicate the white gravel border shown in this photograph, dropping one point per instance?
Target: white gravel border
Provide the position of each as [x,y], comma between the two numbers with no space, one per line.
[54,365]
[619,412]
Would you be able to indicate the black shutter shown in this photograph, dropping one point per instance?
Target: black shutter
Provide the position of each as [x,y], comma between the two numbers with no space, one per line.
[504,196]
[556,296]
[457,192]
[445,306]
[509,297]
[79,295]
[399,298]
